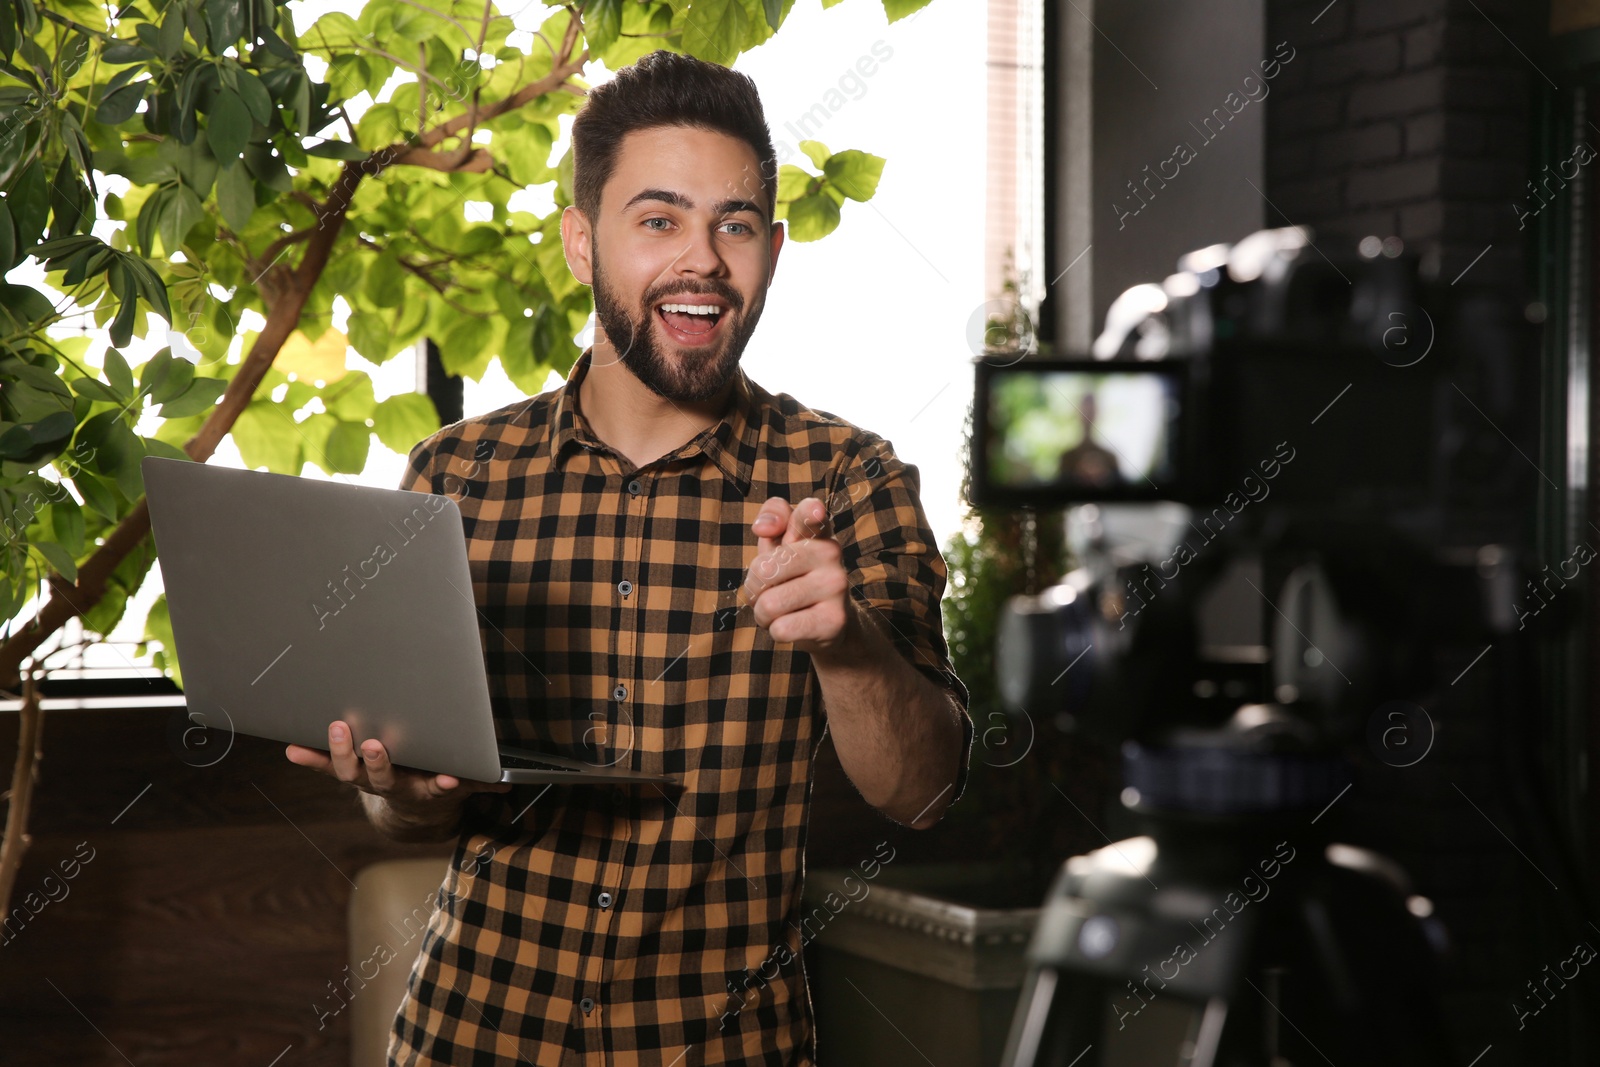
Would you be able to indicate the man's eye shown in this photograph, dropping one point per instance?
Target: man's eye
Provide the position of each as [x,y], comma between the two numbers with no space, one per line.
[658,218]
[743,228]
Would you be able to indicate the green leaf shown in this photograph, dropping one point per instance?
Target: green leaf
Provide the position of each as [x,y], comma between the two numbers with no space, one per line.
[183,211]
[526,154]
[155,370]
[170,42]
[30,205]
[255,97]
[369,335]
[42,378]
[350,397]
[899,9]
[276,45]
[715,30]
[172,382]
[66,519]
[8,239]
[301,101]
[193,161]
[118,107]
[813,217]
[314,431]
[332,149]
[266,437]
[386,281]
[336,29]
[127,291]
[96,390]
[118,373]
[404,419]
[412,24]
[817,152]
[236,196]
[602,21]
[224,22]
[855,174]
[154,446]
[463,347]
[201,394]
[228,128]
[58,558]
[347,447]
[158,628]
[29,303]
[96,495]
[15,442]
[268,169]
[479,239]
[149,219]
[793,182]
[68,201]
[121,53]
[53,428]
[773,9]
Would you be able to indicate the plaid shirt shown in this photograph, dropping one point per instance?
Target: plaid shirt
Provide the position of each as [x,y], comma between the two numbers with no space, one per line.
[640,924]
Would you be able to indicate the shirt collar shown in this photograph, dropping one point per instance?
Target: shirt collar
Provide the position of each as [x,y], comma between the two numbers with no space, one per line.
[730,443]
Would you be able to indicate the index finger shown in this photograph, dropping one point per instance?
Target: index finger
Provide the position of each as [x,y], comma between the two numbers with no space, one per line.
[315,758]
[808,520]
[770,525]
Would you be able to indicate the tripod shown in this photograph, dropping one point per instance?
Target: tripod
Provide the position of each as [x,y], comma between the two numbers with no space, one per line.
[1230,933]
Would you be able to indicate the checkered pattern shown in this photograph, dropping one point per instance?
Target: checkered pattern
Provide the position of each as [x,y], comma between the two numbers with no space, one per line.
[615,628]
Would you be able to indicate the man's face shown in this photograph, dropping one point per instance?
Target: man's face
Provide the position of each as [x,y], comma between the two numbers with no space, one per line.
[680,258]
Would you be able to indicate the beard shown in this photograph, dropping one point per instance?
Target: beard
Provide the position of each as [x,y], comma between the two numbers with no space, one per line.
[689,377]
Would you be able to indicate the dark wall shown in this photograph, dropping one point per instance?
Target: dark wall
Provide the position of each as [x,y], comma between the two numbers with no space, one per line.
[1411,118]
[1162,68]
[1417,118]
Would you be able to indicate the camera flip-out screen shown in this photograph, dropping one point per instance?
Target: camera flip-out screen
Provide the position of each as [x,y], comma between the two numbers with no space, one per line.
[1052,432]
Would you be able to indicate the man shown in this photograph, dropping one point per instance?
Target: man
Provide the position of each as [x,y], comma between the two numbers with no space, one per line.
[1088,463]
[651,599]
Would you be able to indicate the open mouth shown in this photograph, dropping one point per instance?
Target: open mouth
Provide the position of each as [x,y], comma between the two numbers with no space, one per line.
[690,324]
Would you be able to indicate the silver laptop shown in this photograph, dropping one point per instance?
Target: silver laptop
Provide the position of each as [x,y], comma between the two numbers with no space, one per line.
[296,602]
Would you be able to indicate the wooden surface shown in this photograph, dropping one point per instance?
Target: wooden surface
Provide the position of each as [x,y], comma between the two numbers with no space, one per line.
[211,916]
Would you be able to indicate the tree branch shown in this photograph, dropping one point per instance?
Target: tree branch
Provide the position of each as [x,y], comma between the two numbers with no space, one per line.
[275,249]
[24,772]
[421,271]
[476,116]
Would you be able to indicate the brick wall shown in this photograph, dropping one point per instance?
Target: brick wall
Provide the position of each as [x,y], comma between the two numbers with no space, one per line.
[1410,118]
[1416,118]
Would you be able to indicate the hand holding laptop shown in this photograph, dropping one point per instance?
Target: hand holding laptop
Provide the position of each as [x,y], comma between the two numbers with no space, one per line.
[412,794]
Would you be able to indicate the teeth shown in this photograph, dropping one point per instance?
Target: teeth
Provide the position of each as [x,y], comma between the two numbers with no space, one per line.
[693,309]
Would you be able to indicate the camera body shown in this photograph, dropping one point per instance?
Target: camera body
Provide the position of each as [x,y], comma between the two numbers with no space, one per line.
[1285,458]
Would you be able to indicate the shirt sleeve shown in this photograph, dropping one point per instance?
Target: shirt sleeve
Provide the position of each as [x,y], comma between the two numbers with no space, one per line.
[894,564]
[418,476]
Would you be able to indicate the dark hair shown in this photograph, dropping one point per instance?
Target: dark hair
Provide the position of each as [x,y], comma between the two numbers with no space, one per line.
[666,89]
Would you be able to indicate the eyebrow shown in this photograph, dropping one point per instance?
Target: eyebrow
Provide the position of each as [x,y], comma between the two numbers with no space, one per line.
[727,206]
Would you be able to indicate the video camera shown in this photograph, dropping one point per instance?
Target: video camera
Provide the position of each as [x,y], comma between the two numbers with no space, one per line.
[1290,480]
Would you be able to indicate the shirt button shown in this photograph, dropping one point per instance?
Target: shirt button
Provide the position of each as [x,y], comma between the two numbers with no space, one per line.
[624,587]
[620,692]
[587,1004]
[604,900]
[635,487]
